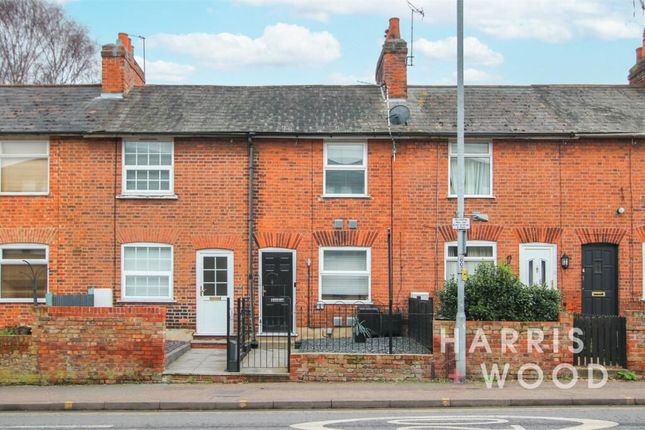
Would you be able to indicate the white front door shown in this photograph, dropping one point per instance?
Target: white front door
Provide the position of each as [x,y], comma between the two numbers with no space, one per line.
[214,286]
[538,264]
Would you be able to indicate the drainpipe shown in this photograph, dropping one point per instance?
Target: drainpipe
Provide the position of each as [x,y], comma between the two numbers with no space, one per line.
[249,139]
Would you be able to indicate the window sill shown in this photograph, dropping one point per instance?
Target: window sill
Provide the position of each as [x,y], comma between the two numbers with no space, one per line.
[24,194]
[471,197]
[22,301]
[345,302]
[147,197]
[345,196]
[149,301]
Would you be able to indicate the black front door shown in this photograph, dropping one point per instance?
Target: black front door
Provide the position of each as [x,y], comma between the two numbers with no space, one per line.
[600,279]
[277,291]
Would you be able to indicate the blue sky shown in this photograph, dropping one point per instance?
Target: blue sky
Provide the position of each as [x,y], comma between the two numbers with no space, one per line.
[263,42]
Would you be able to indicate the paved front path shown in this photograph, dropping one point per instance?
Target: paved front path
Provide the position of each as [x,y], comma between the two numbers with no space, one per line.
[310,395]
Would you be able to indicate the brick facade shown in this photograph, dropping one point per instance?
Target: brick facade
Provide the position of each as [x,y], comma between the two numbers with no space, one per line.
[87,345]
[568,196]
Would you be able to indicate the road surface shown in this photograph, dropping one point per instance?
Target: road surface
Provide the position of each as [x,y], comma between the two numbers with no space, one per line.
[537,418]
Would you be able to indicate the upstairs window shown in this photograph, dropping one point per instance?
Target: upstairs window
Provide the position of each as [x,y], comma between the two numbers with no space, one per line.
[345,170]
[478,169]
[147,168]
[345,274]
[16,276]
[24,167]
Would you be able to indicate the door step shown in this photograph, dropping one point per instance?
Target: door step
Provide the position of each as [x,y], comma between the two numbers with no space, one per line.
[203,341]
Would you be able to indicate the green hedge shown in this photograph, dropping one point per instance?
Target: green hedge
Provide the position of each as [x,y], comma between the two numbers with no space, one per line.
[495,293]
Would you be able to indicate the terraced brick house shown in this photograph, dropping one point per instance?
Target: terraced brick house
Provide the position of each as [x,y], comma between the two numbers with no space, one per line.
[183,195]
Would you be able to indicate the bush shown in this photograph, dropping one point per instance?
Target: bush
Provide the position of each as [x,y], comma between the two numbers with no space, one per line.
[495,293]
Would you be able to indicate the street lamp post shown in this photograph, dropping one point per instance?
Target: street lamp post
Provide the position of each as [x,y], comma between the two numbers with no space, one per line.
[460,322]
[34,282]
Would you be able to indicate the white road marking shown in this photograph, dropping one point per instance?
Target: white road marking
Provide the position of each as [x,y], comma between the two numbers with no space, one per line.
[458,422]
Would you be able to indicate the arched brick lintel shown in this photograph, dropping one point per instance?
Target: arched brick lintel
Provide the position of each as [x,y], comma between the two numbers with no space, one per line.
[489,232]
[538,234]
[278,240]
[217,241]
[149,235]
[601,235]
[345,238]
[42,236]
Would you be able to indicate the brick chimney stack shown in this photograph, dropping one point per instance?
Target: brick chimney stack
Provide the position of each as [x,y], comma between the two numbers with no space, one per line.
[120,71]
[637,73]
[392,69]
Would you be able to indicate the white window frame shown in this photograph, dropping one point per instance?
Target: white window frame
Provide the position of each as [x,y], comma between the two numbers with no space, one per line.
[553,251]
[149,299]
[170,169]
[446,258]
[27,193]
[45,261]
[473,155]
[327,167]
[322,272]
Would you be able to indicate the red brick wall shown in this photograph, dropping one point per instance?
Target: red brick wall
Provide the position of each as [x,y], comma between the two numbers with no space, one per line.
[635,337]
[548,359]
[570,187]
[87,345]
[18,360]
[359,367]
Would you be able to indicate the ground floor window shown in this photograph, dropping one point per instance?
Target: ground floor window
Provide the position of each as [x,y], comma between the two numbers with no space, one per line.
[538,265]
[20,266]
[477,252]
[146,272]
[345,274]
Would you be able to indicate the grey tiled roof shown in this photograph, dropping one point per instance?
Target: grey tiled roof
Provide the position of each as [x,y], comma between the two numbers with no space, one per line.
[321,109]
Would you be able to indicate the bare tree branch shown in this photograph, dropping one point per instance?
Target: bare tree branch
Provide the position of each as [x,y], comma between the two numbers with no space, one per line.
[40,45]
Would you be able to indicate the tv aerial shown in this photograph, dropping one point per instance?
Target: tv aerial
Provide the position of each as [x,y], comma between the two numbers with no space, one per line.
[419,11]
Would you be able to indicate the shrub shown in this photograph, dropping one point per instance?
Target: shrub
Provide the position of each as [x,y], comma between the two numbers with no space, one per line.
[495,293]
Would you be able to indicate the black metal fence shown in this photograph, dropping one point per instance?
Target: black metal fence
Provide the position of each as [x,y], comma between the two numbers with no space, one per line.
[270,348]
[369,328]
[604,338]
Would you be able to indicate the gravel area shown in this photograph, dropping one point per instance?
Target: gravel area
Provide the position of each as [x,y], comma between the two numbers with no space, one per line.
[171,345]
[374,345]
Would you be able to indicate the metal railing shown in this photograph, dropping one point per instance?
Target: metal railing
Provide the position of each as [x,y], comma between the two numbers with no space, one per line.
[369,329]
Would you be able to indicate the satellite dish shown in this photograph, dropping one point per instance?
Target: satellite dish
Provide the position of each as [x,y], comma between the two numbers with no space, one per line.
[399,115]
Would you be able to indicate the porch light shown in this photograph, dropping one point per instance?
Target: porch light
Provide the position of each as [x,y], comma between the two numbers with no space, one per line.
[564,261]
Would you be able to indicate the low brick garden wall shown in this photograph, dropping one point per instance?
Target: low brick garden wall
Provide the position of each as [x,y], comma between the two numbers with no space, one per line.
[555,346]
[87,345]
[18,360]
[333,367]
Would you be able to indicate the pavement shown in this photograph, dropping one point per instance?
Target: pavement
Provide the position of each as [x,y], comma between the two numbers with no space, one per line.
[292,395]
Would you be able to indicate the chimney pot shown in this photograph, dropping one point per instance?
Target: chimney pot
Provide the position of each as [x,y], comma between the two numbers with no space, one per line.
[393,31]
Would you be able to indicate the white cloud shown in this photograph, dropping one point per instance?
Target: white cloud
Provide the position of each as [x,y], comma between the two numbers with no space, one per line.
[159,71]
[279,45]
[546,20]
[321,10]
[475,52]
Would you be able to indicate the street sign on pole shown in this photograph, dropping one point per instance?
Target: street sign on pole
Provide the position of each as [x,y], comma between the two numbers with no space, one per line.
[461,223]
